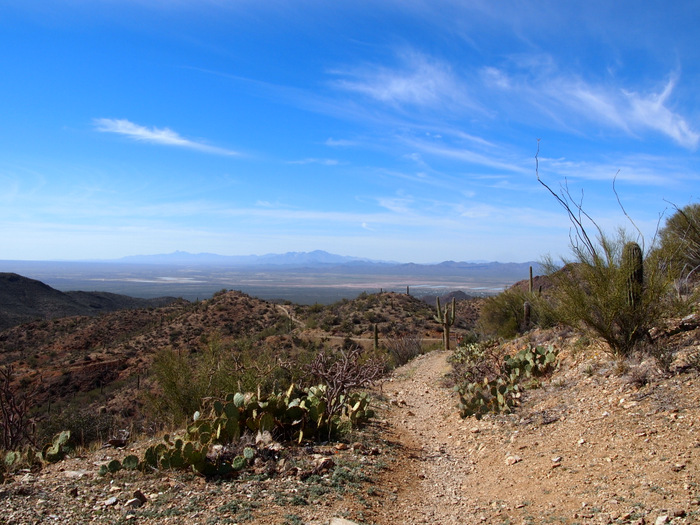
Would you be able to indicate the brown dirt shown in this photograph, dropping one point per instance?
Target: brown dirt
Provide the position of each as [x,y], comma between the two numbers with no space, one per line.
[598,442]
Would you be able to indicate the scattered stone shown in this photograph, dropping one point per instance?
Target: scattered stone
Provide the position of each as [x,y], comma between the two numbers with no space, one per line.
[134,503]
[341,446]
[110,502]
[140,496]
[678,467]
[75,474]
[662,519]
[557,459]
[341,521]
[512,460]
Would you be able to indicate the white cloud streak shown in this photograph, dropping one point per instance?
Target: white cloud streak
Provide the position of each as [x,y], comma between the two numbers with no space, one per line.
[419,81]
[163,136]
[568,98]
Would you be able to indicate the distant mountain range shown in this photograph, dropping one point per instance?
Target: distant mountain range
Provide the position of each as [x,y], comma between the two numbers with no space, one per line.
[312,259]
[303,277]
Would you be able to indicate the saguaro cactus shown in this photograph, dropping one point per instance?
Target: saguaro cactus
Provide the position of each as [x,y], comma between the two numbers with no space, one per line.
[633,265]
[446,318]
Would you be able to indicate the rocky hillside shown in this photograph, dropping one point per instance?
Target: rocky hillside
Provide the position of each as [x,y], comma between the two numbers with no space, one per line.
[87,362]
[23,300]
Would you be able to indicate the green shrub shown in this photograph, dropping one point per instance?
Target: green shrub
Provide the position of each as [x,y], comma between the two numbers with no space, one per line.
[403,348]
[502,315]
[592,292]
[85,426]
[679,247]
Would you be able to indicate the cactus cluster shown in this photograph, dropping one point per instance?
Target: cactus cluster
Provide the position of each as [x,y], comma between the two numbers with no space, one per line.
[56,451]
[14,459]
[503,393]
[291,415]
[479,399]
[530,362]
[128,463]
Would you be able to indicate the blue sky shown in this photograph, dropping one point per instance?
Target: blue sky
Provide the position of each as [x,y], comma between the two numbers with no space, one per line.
[396,130]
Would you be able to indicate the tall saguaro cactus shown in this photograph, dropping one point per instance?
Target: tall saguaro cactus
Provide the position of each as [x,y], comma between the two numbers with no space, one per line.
[446,318]
[633,265]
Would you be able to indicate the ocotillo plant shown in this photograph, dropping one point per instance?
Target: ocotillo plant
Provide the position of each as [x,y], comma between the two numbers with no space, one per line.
[446,318]
[633,266]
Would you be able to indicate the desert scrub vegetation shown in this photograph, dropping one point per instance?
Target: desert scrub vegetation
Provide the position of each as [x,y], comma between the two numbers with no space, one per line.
[230,433]
[610,290]
[609,286]
[218,441]
[513,312]
[490,381]
[185,378]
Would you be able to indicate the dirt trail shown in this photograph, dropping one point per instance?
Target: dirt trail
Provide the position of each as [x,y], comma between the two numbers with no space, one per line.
[428,485]
[585,448]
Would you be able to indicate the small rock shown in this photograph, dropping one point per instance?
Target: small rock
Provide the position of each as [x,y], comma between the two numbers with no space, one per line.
[512,460]
[341,521]
[678,467]
[110,502]
[75,474]
[662,519]
[357,446]
[556,459]
[140,496]
[341,446]
[475,430]
[134,503]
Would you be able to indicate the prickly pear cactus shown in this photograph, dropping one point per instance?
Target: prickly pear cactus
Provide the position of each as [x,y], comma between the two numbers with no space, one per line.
[56,451]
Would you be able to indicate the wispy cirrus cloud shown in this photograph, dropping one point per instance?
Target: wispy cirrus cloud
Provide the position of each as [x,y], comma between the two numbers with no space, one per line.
[164,136]
[652,111]
[568,98]
[418,80]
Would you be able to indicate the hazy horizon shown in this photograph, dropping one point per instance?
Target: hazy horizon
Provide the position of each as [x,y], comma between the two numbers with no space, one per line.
[400,131]
[165,257]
